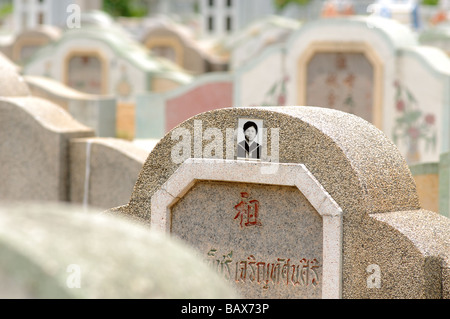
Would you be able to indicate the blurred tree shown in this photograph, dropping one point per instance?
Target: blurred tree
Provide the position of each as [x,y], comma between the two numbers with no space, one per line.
[125,8]
[281,4]
[5,10]
[430,2]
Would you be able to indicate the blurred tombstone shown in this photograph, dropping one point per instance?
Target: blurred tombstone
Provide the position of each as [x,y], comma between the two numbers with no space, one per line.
[35,136]
[60,251]
[100,58]
[103,171]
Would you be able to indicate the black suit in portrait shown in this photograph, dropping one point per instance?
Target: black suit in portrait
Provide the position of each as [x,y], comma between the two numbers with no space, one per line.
[252,151]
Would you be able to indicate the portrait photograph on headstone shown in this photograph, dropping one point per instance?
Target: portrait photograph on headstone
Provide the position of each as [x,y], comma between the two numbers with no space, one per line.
[250,139]
[218,157]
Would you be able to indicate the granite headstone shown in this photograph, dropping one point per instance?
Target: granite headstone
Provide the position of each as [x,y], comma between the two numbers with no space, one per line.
[328,209]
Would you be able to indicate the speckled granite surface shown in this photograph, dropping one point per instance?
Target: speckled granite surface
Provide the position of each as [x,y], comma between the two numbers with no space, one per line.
[34,149]
[363,172]
[59,251]
[266,249]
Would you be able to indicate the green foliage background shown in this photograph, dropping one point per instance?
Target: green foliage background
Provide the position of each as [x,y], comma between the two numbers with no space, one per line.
[125,8]
[430,2]
[281,4]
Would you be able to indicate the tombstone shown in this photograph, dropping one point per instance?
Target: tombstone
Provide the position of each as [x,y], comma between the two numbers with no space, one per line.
[437,36]
[35,136]
[177,43]
[65,252]
[6,62]
[103,171]
[368,66]
[329,210]
[34,152]
[13,84]
[158,113]
[21,46]
[246,44]
[101,58]
[29,41]
[95,111]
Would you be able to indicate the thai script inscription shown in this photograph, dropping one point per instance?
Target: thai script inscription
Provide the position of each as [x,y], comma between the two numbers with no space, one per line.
[247,211]
[301,272]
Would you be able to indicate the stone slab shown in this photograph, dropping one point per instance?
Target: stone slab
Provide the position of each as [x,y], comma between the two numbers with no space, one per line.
[34,151]
[57,251]
[103,171]
[277,254]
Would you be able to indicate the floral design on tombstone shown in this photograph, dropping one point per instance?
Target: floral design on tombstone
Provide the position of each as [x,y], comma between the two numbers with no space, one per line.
[247,211]
[411,125]
[277,93]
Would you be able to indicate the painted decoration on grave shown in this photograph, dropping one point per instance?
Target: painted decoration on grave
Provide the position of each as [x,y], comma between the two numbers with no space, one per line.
[247,211]
[412,126]
[277,93]
[342,81]
[249,139]
[337,8]
[84,73]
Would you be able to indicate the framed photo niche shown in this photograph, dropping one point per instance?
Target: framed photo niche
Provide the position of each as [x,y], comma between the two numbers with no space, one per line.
[249,139]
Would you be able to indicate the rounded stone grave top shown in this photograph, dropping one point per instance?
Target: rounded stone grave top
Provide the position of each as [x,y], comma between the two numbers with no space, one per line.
[44,112]
[355,162]
[11,83]
[49,250]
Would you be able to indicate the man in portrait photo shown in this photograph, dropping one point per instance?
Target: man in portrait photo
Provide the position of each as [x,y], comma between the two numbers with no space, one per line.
[249,148]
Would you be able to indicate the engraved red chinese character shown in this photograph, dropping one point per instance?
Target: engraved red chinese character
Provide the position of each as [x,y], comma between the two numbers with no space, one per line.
[247,211]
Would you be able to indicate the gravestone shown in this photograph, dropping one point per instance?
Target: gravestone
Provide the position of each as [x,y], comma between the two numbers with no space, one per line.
[100,58]
[34,135]
[328,210]
[158,113]
[29,41]
[103,171]
[175,42]
[61,251]
[95,111]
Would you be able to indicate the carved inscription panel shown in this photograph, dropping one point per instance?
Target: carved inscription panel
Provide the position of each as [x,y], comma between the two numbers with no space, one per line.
[265,240]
